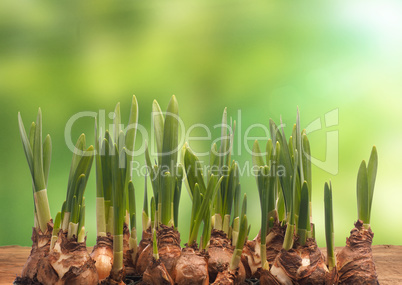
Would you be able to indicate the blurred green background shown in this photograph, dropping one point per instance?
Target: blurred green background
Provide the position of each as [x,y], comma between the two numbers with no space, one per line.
[263,58]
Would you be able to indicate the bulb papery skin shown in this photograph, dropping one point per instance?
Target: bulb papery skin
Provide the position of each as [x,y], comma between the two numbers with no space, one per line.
[192,267]
[355,261]
[102,254]
[144,254]
[274,241]
[131,255]
[226,277]
[301,265]
[280,275]
[156,273]
[220,254]
[267,278]
[128,262]
[251,258]
[169,248]
[115,278]
[40,249]
[68,263]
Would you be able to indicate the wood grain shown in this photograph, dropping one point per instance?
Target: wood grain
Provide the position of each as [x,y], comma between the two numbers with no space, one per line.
[388,261]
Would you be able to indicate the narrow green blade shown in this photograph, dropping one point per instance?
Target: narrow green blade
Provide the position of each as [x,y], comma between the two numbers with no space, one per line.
[81,183]
[131,195]
[177,194]
[195,207]
[39,178]
[286,161]
[166,186]
[257,158]
[83,167]
[243,232]
[236,201]
[118,192]
[194,171]
[212,188]
[98,164]
[26,143]
[75,207]
[57,223]
[31,136]
[152,174]
[304,213]
[363,194]
[132,128]
[299,147]
[170,137]
[169,159]
[329,225]
[273,182]
[117,122]
[307,162]
[159,122]
[106,162]
[213,161]
[155,246]
[47,156]
[153,214]
[145,204]
[269,151]
[263,189]
[224,139]
[372,174]
[244,206]
[81,222]
[294,209]
[78,151]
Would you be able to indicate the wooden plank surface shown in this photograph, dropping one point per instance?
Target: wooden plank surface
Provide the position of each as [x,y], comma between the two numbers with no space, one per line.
[388,260]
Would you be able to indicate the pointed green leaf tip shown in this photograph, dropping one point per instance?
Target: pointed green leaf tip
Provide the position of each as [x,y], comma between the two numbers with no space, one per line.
[132,127]
[365,187]
[194,171]
[256,157]
[159,122]
[242,233]
[38,156]
[372,174]
[25,143]
[362,194]
[328,206]
[244,205]
[170,135]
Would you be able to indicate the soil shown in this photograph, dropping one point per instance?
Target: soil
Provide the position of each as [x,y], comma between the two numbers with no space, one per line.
[387,258]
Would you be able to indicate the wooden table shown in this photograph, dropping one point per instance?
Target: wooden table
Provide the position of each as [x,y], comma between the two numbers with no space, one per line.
[388,260]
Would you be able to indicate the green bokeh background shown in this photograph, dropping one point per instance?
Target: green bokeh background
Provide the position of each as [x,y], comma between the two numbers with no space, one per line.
[262,58]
